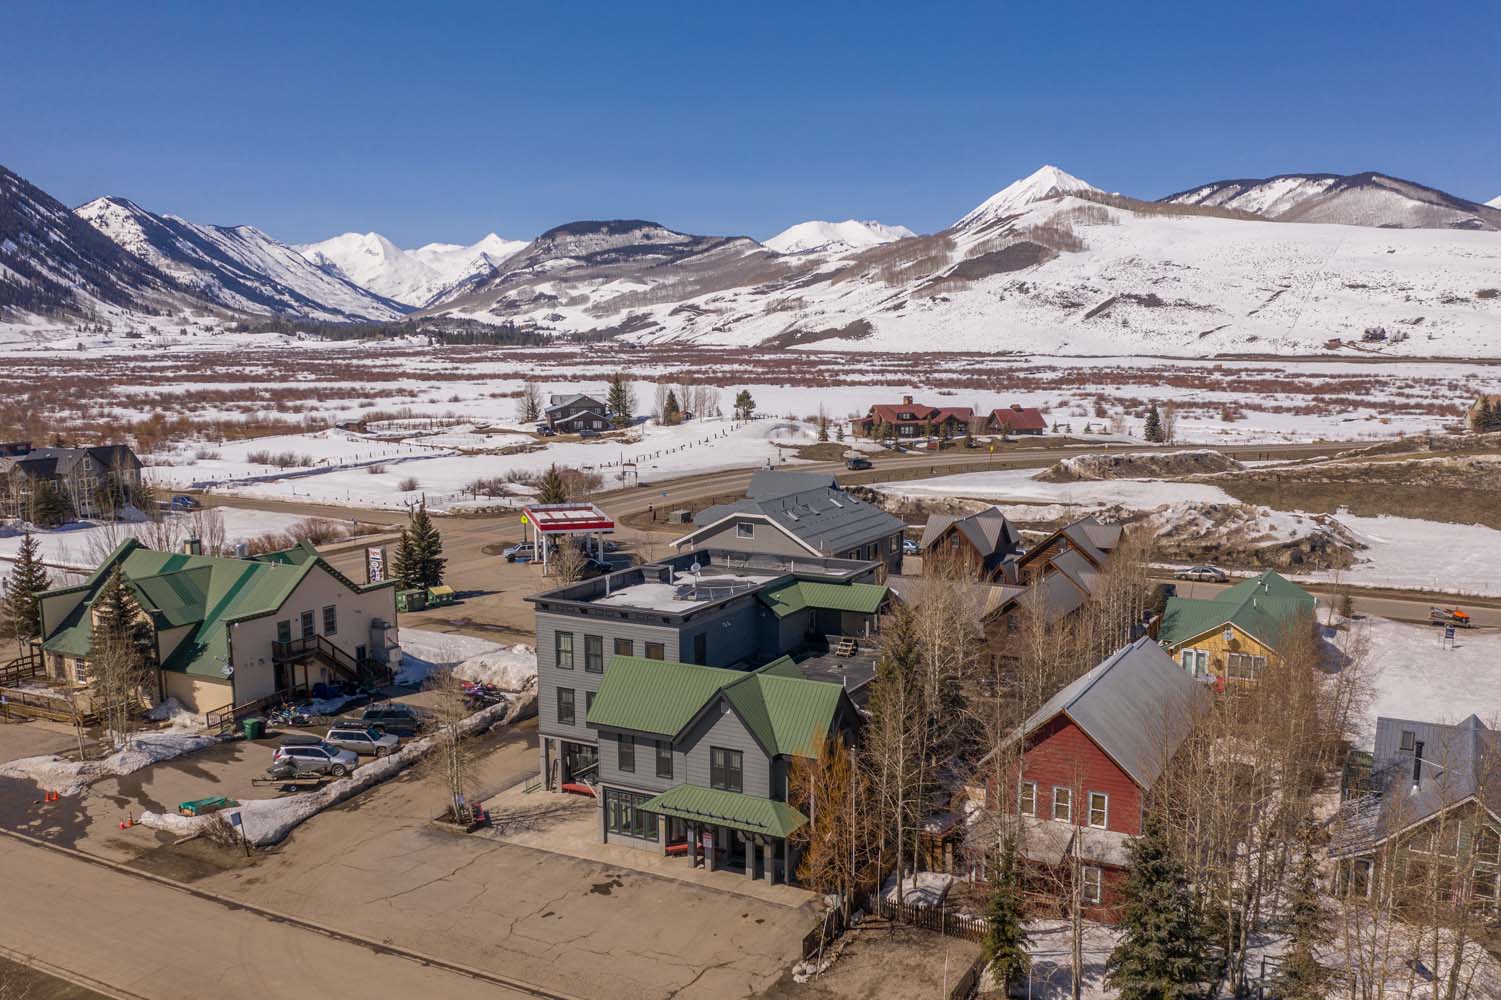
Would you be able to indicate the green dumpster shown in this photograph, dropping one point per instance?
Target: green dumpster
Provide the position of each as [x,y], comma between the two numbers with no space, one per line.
[254,728]
[202,807]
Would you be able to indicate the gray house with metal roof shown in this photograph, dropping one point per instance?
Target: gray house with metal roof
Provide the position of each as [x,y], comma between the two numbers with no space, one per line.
[795,514]
[1431,803]
[986,540]
[576,412]
[82,477]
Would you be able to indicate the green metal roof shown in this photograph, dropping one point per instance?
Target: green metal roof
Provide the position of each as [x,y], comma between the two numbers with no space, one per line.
[782,666]
[1265,607]
[732,809]
[786,713]
[865,598]
[206,592]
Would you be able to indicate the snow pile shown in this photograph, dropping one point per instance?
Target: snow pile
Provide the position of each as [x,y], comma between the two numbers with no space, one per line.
[510,668]
[178,719]
[268,821]
[423,651]
[69,777]
[923,889]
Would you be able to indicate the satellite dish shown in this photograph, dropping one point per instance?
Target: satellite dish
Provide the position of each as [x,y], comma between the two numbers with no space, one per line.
[695,569]
[227,670]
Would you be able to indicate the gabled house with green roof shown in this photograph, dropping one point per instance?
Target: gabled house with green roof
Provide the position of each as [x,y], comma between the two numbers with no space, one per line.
[230,632]
[695,760]
[1237,633]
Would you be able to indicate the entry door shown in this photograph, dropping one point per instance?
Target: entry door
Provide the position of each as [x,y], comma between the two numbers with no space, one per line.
[701,649]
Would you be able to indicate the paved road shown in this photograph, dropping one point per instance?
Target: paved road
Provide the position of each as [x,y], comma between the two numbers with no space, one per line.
[1486,613]
[124,936]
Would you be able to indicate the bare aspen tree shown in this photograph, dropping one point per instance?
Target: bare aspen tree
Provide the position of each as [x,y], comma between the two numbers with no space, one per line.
[452,757]
[567,563]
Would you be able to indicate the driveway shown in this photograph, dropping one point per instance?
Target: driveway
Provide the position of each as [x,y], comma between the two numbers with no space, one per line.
[377,867]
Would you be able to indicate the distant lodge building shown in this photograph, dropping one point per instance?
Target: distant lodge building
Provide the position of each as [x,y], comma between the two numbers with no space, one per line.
[576,412]
[228,632]
[910,419]
[90,482]
[679,693]
[800,514]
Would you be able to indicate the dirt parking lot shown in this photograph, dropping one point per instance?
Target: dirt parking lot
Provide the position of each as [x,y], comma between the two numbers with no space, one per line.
[33,739]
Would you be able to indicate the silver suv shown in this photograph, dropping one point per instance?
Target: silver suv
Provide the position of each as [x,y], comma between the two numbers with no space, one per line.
[363,740]
[314,758]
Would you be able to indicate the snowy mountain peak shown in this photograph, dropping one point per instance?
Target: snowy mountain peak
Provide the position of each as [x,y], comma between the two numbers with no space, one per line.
[1366,199]
[1045,182]
[1495,202]
[410,276]
[835,237]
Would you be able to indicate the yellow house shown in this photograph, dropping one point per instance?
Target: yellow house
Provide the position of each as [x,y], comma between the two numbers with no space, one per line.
[1236,634]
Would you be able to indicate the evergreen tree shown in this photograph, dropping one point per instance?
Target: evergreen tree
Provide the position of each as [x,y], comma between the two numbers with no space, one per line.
[419,557]
[1005,944]
[823,426]
[745,405]
[671,412]
[553,488]
[621,400]
[1301,976]
[49,508]
[839,431]
[1159,956]
[19,610]
[531,404]
[1153,429]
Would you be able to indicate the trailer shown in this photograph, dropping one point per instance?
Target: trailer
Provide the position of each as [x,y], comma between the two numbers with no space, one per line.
[1449,616]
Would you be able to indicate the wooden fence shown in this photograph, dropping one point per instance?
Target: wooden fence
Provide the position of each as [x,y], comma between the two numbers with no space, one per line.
[939,919]
[970,981]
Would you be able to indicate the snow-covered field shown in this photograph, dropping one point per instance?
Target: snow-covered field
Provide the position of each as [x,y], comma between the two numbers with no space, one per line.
[362,472]
[76,545]
[1415,675]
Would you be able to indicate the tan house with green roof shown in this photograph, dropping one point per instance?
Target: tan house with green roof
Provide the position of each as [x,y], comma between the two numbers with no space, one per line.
[1236,634]
[231,632]
[695,760]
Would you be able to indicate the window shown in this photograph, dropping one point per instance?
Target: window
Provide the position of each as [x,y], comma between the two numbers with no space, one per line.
[625,647]
[80,672]
[1409,740]
[565,706]
[1195,662]
[594,654]
[625,753]
[726,769]
[1488,845]
[284,631]
[745,530]
[562,643]
[1485,890]
[307,624]
[1360,878]
[655,651]
[1099,810]
[331,620]
[1027,797]
[1245,667]
[624,815]
[1063,803]
[1092,884]
[664,759]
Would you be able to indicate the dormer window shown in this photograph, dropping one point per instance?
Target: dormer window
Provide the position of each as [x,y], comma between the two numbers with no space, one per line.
[1409,741]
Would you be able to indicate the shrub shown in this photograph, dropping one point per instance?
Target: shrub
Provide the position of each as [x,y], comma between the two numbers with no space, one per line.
[376,470]
[409,485]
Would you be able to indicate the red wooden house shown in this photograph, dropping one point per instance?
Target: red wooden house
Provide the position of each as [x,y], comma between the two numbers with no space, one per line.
[1018,419]
[1089,758]
[913,420]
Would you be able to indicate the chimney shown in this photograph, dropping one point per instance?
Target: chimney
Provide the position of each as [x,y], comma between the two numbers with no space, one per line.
[1417,764]
[906,400]
[1017,407]
[192,547]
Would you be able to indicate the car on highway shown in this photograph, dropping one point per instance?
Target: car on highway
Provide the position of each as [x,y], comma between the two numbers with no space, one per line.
[297,759]
[184,502]
[393,717]
[365,741]
[1203,574]
[857,462]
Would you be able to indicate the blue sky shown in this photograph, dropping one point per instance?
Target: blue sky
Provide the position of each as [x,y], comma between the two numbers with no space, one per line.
[446,121]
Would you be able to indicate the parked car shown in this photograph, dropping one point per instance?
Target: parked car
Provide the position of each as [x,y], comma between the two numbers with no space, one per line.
[857,462]
[910,548]
[393,717]
[520,552]
[1204,574]
[544,430]
[363,740]
[313,758]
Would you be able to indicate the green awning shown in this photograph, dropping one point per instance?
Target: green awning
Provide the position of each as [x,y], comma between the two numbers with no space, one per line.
[732,809]
[864,598]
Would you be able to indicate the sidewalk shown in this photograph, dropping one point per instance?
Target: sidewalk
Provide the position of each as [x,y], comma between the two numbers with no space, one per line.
[569,825]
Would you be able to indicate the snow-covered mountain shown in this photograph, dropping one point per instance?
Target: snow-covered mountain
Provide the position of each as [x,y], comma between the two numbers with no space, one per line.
[237,267]
[52,263]
[413,277]
[835,237]
[1043,183]
[1037,268]
[1495,202]
[1367,199]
